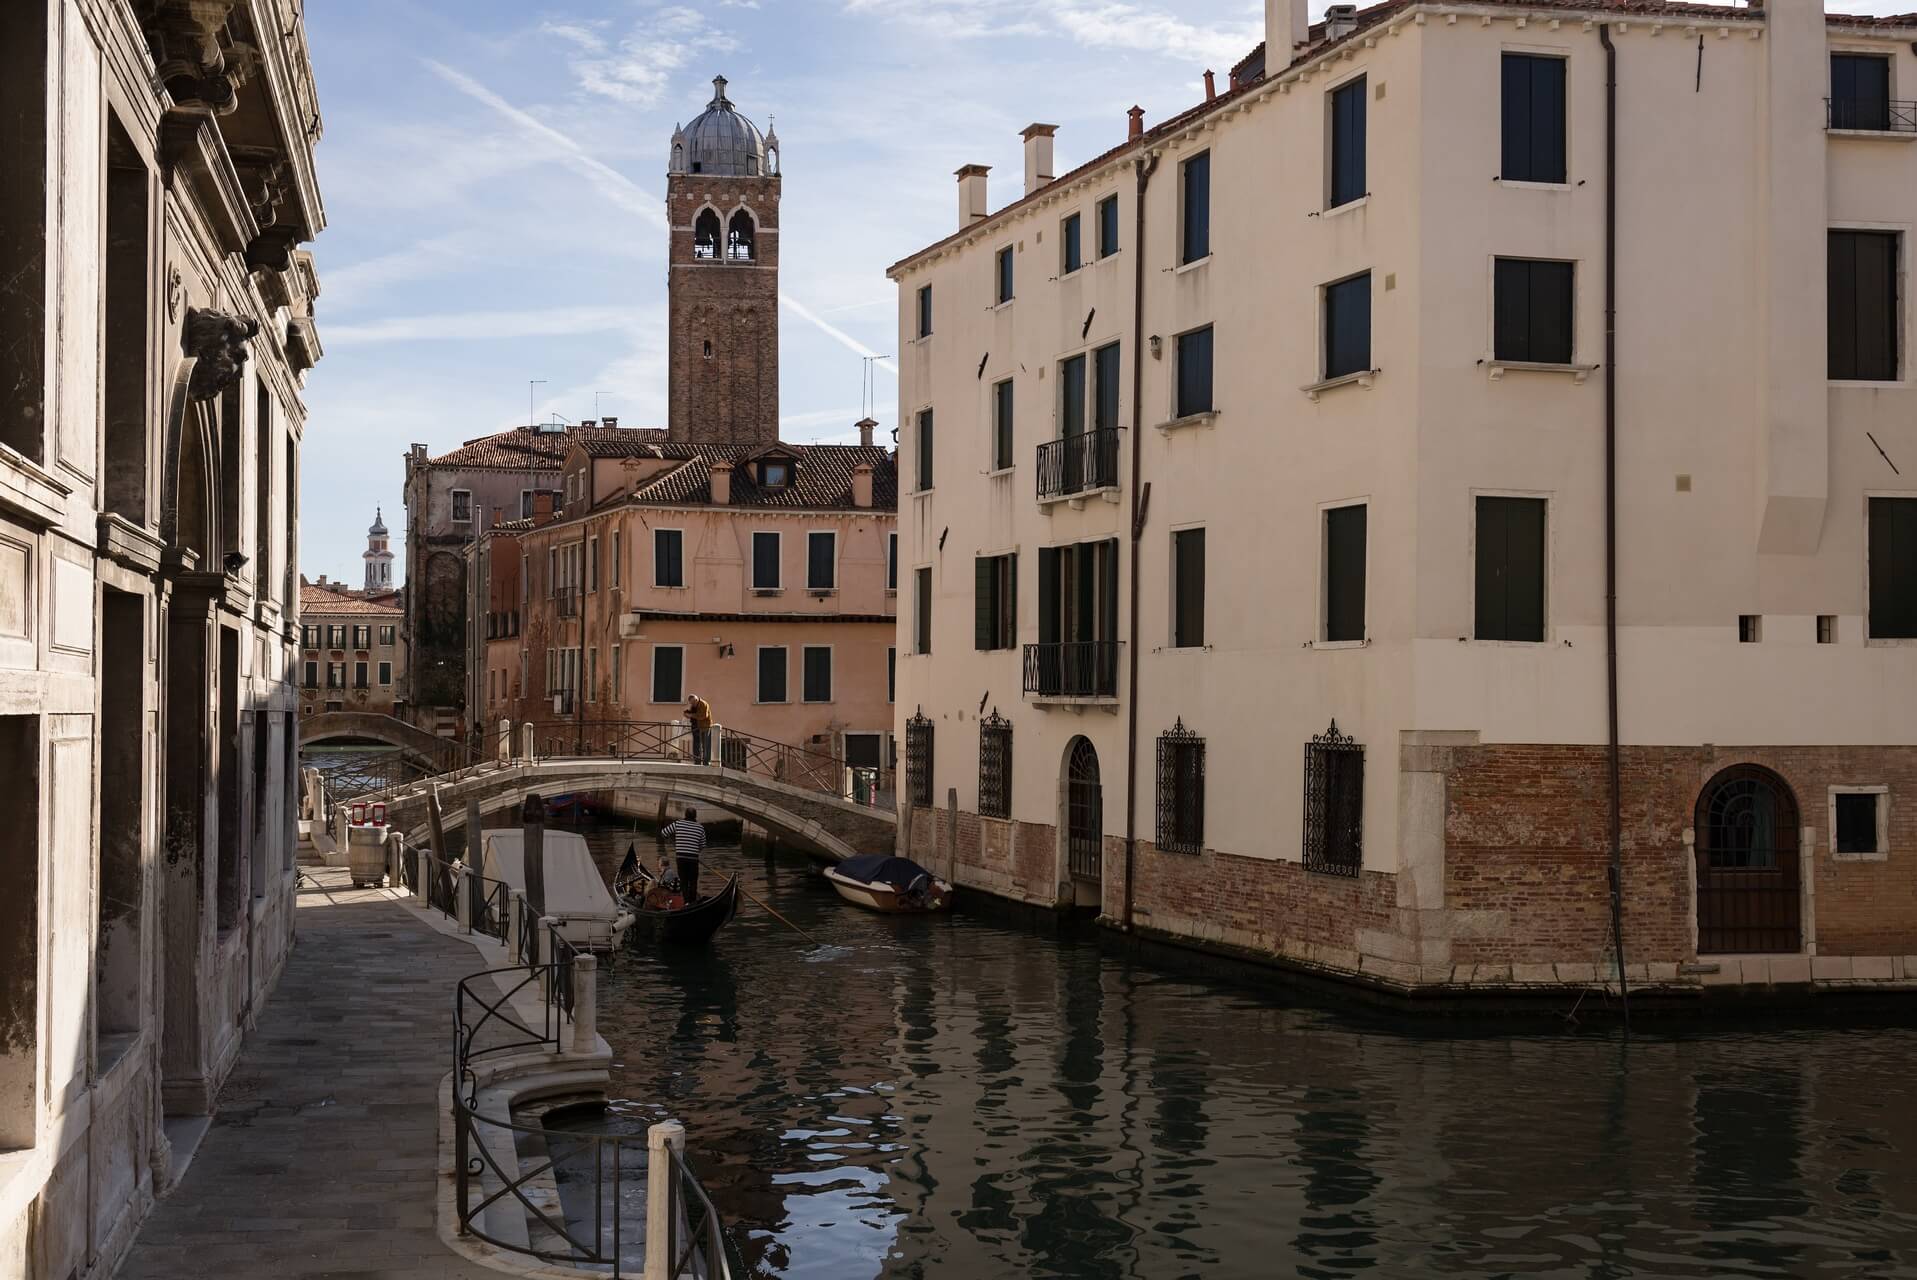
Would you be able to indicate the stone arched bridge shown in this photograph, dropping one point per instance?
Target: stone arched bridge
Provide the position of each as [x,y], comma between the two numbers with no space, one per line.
[428,750]
[826,824]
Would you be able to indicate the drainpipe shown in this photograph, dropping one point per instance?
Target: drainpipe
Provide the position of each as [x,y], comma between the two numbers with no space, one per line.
[1610,504]
[1145,166]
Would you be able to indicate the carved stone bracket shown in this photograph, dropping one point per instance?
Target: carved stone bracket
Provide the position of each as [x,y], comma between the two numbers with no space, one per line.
[217,342]
[185,36]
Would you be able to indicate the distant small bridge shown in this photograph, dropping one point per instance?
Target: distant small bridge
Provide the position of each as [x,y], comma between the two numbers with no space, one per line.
[427,750]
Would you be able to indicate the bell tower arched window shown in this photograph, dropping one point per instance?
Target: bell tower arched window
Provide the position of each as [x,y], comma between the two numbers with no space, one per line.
[739,237]
[705,236]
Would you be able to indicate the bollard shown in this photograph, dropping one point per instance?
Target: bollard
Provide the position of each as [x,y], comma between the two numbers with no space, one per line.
[526,742]
[463,898]
[663,1141]
[395,850]
[515,931]
[585,1002]
[504,752]
[542,955]
[423,877]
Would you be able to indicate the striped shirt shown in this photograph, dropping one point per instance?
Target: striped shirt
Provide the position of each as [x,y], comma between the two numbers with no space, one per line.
[688,839]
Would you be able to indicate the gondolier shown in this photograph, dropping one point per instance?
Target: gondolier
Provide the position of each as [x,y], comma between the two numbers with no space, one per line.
[687,839]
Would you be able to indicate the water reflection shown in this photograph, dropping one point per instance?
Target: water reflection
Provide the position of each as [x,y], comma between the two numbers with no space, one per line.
[954,1098]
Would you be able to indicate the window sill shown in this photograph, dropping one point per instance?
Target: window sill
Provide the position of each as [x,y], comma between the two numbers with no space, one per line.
[1889,642]
[818,702]
[1498,368]
[783,702]
[1860,857]
[1362,378]
[1884,135]
[1003,303]
[1341,644]
[1346,207]
[1525,184]
[1067,275]
[821,593]
[768,591]
[891,591]
[1507,644]
[1868,384]
[1203,418]
[1193,265]
[1109,492]
[998,473]
[923,493]
[1109,701]
[670,586]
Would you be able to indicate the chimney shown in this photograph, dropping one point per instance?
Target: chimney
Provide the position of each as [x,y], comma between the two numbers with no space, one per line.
[862,485]
[1340,20]
[1038,155]
[866,427]
[1137,129]
[971,180]
[1211,87]
[542,507]
[610,424]
[587,422]
[721,484]
[1287,29]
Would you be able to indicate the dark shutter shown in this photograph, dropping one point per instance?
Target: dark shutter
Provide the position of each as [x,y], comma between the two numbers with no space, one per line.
[1002,426]
[1345,529]
[1008,601]
[1532,311]
[819,548]
[925,311]
[1074,258]
[1893,568]
[1108,226]
[1107,627]
[1105,377]
[1197,197]
[772,675]
[1005,274]
[1188,575]
[1348,326]
[1863,330]
[1348,143]
[922,602]
[984,603]
[1194,372]
[1533,108]
[1071,396]
[1510,569]
[1048,596]
[765,561]
[1859,91]
[891,675]
[668,672]
[818,673]
[667,552]
[925,449]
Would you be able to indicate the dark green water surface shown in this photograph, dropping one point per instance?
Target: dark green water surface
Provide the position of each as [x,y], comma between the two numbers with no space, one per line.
[958,1097]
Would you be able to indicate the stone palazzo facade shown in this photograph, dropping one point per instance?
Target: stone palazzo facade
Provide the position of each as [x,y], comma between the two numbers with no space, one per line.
[157,328]
[1266,479]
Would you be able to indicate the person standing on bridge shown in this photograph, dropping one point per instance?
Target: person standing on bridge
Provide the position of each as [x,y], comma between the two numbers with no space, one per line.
[699,711]
[687,837]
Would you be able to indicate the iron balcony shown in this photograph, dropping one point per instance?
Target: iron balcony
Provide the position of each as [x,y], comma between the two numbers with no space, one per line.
[1072,669]
[1083,462]
[1871,115]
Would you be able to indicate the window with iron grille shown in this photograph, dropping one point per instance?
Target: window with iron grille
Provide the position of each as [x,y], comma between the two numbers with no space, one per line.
[1181,790]
[995,766]
[1334,803]
[918,760]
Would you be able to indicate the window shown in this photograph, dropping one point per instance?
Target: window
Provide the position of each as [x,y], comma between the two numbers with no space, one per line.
[995,766]
[1893,568]
[336,675]
[336,636]
[615,558]
[1347,106]
[816,659]
[389,635]
[1510,569]
[312,675]
[668,563]
[1533,102]
[1859,91]
[359,675]
[1188,588]
[1855,820]
[821,560]
[1077,650]
[592,674]
[995,611]
[925,450]
[775,475]
[668,673]
[309,637]
[918,760]
[1345,573]
[925,311]
[891,562]
[592,564]
[1105,388]
[1071,245]
[765,561]
[1071,396]
[525,504]
[1826,628]
[1004,267]
[1348,326]
[362,637]
[615,674]
[1108,226]
[922,607]
[1531,311]
[1181,790]
[385,673]
[1194,372]
[772,673]
[462,506]
[1334,803]
[1749,628]
[1002,426]
[891,674]
[1194,196]
[1864,337]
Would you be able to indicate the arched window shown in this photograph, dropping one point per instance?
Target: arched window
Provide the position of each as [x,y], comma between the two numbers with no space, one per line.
[1747,864]
[739,237]
[705,236]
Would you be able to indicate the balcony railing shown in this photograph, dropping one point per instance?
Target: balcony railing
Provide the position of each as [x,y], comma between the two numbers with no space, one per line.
[1073,669]
[1078,463]
[1871,115]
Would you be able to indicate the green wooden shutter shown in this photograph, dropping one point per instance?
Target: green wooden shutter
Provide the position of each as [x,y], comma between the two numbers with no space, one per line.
[1048,601]
[984,634]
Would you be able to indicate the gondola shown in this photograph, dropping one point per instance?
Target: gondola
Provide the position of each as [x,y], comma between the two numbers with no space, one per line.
[692,924]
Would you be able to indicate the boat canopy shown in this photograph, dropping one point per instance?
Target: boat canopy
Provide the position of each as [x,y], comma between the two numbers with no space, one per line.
[574,886]
[882,868]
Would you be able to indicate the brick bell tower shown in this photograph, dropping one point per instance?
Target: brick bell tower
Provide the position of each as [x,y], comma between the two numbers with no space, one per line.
[722,205]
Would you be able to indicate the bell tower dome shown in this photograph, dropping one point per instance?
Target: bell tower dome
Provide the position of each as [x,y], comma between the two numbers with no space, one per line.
[722,208]
[378,556]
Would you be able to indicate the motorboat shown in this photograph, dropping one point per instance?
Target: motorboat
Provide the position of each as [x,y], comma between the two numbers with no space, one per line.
[663,915]
[882,882]
[577,900]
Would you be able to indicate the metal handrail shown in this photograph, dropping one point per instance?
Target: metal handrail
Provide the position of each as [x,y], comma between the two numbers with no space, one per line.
[696,1242]
[1078,463]
[1072,669]
[1871,115]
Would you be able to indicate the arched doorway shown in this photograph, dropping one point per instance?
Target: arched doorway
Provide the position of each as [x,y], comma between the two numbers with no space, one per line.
[1748,890]
[1084,812]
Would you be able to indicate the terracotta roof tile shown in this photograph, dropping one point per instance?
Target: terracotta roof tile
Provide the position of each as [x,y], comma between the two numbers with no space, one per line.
[822,479]
[521,449]
[325,600]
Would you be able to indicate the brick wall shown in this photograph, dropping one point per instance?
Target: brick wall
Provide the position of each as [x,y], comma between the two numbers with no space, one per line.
[731,396]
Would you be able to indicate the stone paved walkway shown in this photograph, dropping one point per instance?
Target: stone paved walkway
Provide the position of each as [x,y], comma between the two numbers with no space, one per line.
[322,1158]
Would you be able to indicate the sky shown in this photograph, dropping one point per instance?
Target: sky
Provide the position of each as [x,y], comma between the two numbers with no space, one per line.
[493,173]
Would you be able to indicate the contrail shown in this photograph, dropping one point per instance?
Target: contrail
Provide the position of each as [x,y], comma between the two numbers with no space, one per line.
[623,190]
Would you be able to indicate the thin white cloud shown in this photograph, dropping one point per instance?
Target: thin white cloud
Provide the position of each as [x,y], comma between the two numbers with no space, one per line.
[1095,24]
[837,334]
[471,325]
[638,70]
[576,33]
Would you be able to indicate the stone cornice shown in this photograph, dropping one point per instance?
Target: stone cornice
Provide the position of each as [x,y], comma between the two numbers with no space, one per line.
[190,144]
[128,544]
[30,493]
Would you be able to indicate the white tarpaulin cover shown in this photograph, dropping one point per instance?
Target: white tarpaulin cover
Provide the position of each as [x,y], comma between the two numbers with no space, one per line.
[574,887]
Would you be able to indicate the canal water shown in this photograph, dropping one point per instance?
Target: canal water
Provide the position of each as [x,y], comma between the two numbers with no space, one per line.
[968,1097]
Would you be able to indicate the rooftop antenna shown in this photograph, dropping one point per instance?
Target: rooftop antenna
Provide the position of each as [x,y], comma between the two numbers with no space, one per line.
[868,385]
[595,404]
[530,384]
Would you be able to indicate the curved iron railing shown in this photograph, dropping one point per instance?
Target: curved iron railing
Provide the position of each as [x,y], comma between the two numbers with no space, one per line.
[1081,462]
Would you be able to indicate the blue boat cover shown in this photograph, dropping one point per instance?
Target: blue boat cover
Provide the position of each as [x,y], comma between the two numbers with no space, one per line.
[882,868]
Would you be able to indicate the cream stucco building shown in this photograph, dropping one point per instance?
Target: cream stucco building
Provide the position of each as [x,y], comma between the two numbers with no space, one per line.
[1256,474]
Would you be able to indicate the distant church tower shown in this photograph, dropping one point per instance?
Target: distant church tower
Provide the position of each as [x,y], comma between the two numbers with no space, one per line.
[378,558]
[722,205]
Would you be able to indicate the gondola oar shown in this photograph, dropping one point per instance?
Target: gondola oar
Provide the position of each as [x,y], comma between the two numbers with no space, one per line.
[781,919]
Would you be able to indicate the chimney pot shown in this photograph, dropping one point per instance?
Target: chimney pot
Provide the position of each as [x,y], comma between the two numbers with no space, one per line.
[542,507]
[609,423]
[721,484]
[1038,155]
[1211,86]
[862,485]
[588,422]
[866,427]
[971,187]
[1340,20]
[1137,129]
